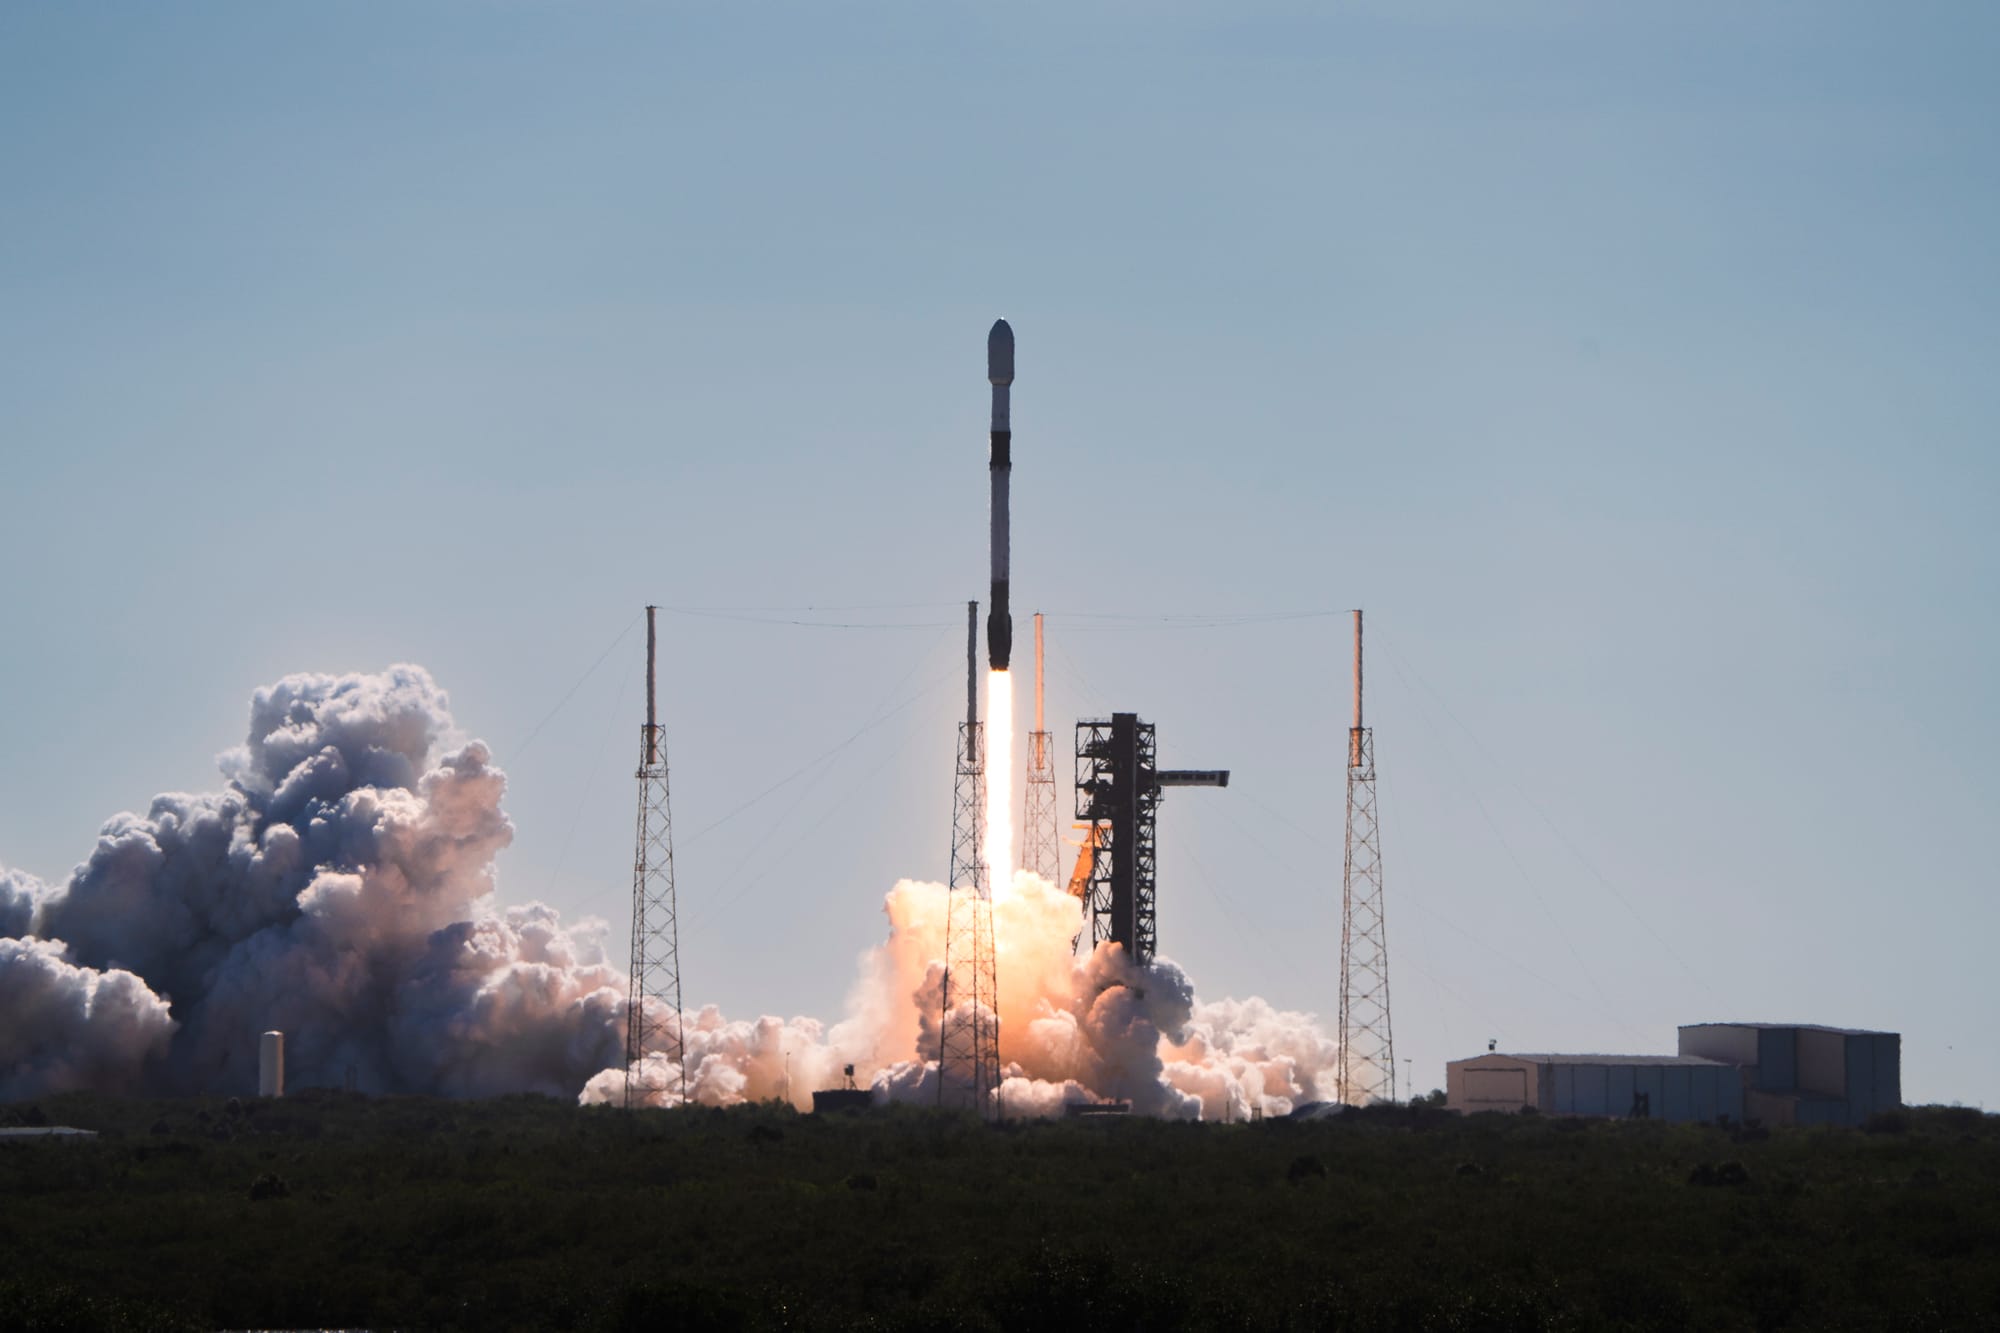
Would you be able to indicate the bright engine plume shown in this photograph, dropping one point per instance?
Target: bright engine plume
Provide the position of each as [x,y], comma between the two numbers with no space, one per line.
[999,777]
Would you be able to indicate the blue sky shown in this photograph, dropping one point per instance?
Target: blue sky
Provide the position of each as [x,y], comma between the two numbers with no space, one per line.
[1633,369]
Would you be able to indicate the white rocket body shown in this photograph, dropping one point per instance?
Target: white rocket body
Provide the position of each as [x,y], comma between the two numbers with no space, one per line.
[1000,467]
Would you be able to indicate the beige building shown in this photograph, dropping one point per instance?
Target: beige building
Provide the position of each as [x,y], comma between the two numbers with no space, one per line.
[1659,1087]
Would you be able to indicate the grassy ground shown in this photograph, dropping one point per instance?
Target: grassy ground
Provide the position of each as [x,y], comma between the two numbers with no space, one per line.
[332,1209]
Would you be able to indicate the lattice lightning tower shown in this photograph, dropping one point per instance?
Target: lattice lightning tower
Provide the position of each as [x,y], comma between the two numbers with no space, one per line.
[653,1018]
[969,1024]
[1039,849]
[1368,1052]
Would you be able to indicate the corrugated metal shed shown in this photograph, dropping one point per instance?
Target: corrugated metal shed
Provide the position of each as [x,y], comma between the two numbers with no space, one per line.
[1780,1073]
[1554,1059]
[1659,1087]
[1806,1073]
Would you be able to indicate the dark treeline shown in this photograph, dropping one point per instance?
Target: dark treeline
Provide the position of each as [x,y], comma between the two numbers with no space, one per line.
[330,1209]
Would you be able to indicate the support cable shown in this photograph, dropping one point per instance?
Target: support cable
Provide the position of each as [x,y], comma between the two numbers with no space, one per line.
[1562,837]
[571,691]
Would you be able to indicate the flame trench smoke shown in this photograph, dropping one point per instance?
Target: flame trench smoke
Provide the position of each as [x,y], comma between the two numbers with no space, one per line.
[341,886]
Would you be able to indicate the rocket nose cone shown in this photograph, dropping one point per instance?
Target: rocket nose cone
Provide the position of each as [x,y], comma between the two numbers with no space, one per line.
[1000,353]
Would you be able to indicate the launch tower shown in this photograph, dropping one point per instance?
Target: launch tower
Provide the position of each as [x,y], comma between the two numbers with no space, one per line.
[969,1025]
[1118,785]
[653,1015]
[1367,1052]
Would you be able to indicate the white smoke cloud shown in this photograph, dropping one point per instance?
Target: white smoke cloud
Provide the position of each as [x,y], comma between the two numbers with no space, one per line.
[341,888]
[1071,1030]
[20,897]
[70,1027]
[1242,1055]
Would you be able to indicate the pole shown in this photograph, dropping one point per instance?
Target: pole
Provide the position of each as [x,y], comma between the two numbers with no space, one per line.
[1354,733]
[652,716]
[1357,670]
[1038,671]
[971,677]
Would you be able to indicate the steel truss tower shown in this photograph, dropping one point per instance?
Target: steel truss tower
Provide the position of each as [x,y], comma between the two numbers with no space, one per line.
[1118,785]
[1039,848]
[653,1015]
[1367,1050]
[1116,795]
[969,1024]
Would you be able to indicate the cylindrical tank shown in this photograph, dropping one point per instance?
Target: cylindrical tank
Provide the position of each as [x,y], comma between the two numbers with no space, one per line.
[271,1065]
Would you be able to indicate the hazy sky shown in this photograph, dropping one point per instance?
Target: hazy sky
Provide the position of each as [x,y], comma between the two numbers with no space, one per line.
[1635,370]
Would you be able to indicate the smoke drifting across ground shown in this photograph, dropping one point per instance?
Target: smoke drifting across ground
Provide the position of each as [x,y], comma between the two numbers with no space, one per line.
[341,887]
[1071,1029]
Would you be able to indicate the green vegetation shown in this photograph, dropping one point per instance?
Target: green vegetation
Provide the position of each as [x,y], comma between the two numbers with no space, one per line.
[334,1209]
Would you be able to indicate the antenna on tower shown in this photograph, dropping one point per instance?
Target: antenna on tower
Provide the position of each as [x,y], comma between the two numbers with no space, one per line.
[1367,1050]
[969,1026]
[653,1012]
[1039,848]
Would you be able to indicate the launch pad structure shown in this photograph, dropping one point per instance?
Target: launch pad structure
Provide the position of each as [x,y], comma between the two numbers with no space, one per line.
[1367,1047]
[656,957]
[969,1017]
[1118,787]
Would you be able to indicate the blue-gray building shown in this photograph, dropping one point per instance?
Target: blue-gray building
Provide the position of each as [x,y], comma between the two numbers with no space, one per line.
[1805,1074]
[1775,1073]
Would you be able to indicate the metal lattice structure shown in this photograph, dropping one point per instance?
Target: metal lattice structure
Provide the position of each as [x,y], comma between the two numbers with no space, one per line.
[1118,786]
[969,1020]
[1367,1047]
[1040,850]
[653,1015]
[1116,794]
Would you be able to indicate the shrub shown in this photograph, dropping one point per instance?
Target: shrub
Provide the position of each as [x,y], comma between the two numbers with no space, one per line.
[1305,1168]
[1729,1173]
[677,1305]
[270,1185]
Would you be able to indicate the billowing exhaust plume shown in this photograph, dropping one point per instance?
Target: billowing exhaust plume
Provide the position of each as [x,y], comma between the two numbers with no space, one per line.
[73,1027]
[1071,1030]
[340,886]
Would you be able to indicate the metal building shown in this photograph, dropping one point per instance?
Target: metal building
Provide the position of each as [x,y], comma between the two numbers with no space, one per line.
[1805,1074]
[1659,1087]
[1774,1073]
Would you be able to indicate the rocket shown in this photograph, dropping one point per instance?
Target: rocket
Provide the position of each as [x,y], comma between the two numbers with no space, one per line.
[1000,466]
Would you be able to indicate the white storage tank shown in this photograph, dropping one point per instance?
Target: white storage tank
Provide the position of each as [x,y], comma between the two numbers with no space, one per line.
[271,1065]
